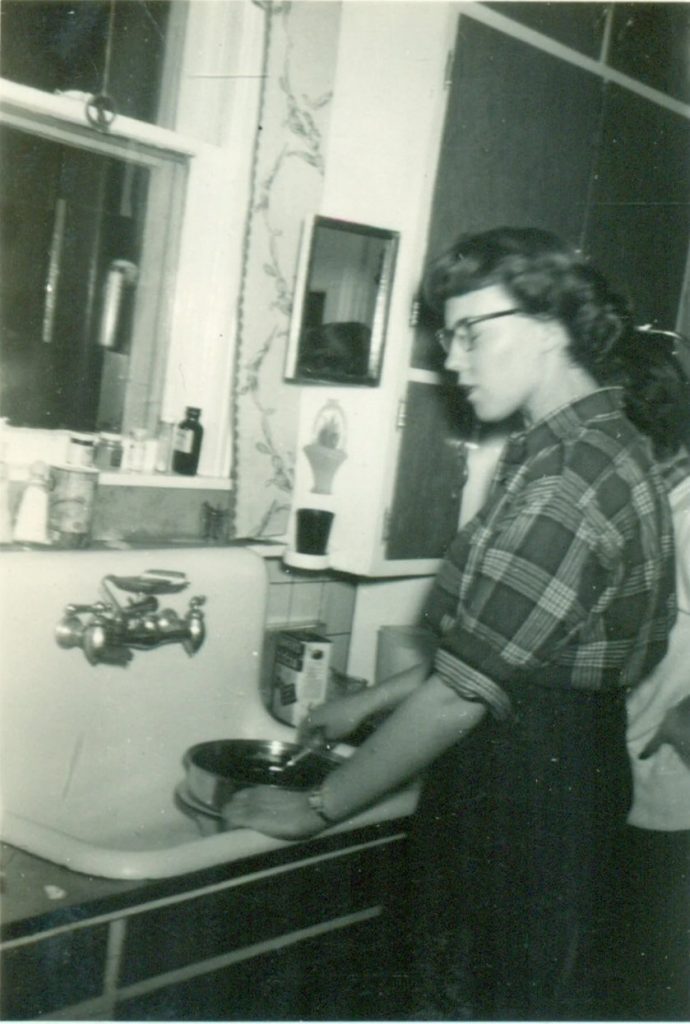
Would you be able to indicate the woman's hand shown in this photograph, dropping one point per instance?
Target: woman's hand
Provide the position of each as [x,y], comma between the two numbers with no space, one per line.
[281,813]
[674,730]
[333,720]
[337,719]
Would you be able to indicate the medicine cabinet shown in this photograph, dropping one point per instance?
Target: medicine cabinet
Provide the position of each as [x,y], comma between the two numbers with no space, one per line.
[342,294]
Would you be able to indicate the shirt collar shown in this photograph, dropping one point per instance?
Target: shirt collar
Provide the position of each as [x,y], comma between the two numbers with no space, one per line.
[563,423]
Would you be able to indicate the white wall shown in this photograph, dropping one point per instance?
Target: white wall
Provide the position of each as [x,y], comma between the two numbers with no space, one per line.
[382,603]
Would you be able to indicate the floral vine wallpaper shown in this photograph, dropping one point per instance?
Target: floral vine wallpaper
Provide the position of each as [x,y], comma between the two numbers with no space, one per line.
[287,180]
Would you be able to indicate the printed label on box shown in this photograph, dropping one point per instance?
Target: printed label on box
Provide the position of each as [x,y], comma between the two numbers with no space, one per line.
[300,674]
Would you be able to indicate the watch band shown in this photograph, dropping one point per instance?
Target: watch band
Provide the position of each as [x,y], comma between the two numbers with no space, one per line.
[315,800]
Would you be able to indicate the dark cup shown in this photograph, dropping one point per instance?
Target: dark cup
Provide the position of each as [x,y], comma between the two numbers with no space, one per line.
[313,528]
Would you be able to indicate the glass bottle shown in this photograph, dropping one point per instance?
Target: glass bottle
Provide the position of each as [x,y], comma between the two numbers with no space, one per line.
[164,443]
[137,450]
[187,442]
[109,450]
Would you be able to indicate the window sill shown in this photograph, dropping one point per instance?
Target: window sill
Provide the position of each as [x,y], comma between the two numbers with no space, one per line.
[176,480]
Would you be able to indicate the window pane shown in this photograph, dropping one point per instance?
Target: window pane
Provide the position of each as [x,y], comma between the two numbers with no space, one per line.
[63,46]
[72,223]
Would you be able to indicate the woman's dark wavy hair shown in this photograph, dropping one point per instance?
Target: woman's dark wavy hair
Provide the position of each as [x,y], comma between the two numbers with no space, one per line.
[547,279]
[657,391]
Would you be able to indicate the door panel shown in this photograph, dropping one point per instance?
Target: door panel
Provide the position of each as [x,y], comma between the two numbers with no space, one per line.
[518,146]
[639,220]
[431,467]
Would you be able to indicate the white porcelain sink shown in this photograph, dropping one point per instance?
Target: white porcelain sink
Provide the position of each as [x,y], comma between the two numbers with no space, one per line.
[165,844]
[90,756]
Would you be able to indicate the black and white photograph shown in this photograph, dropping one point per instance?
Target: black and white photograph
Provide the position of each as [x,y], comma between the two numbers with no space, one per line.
[344,510]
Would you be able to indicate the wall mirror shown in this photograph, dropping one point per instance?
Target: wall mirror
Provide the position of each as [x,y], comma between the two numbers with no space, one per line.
[342,294]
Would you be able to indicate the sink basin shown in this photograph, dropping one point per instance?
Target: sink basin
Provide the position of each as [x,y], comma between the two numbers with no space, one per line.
[90,756]
[164,841]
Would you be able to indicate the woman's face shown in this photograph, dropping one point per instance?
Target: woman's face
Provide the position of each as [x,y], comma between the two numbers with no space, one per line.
[498,360]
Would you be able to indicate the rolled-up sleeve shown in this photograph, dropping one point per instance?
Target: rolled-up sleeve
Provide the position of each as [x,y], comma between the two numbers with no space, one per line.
[547,565]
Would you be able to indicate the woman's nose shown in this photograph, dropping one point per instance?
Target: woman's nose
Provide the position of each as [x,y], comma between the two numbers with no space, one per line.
[456,360]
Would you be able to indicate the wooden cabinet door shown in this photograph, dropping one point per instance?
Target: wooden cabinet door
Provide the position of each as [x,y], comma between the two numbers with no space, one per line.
[431,468]
[519,139]
[533,139]
[639,217]
[517,148]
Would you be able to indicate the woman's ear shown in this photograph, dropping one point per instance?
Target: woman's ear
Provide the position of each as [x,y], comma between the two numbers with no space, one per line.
[553,336]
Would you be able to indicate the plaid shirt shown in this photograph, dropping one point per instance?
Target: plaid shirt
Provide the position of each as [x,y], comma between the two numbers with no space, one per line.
[566,576]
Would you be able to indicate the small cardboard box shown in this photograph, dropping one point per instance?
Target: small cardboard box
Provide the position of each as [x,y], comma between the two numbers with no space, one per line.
[301,669]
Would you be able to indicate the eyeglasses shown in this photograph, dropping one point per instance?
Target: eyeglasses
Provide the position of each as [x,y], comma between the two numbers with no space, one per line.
[460,331]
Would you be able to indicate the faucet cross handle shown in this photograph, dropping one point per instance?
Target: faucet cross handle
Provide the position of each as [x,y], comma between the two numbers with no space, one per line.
[86,609]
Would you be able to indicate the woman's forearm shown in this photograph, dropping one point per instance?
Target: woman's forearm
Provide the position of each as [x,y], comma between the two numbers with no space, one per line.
[389,693]
[430,720]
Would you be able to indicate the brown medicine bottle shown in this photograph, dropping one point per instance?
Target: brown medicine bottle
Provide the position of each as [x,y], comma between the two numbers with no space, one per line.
[187,442]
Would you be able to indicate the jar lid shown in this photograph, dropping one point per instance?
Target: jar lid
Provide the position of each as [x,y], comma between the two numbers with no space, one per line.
[65,467]
[112,438]
[81,438]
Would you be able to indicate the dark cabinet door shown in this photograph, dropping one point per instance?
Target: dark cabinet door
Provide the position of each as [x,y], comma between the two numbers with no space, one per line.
[651,42]
[518,142]
[639,219]
[517,148]
[355,973]
[577,24]
[431,466]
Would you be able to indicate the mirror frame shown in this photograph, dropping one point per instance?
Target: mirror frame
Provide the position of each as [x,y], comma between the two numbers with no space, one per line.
[293,369]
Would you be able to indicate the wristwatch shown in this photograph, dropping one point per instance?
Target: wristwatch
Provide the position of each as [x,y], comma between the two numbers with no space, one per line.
[315,800]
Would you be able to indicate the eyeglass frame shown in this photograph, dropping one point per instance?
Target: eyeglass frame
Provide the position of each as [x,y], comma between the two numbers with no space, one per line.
[446,336]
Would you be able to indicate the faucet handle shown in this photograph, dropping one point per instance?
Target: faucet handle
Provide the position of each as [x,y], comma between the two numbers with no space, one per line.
[86,609]
[196,628]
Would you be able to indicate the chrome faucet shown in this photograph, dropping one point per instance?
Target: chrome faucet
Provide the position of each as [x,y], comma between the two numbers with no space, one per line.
[109,632]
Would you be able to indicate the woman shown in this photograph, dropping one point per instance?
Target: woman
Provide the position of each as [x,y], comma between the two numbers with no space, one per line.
[654,950]
[551,603]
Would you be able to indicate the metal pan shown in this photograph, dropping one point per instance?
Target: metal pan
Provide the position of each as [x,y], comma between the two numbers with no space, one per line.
[215,770]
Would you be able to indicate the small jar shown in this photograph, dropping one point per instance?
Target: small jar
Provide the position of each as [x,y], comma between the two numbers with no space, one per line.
[80,450]
[108,454]
[137,451]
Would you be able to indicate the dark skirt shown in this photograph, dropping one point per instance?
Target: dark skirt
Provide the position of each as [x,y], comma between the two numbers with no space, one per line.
[513,910]
[652,976]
